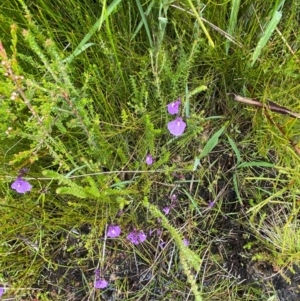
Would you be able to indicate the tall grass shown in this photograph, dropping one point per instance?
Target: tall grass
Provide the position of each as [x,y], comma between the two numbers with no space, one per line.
[84,89]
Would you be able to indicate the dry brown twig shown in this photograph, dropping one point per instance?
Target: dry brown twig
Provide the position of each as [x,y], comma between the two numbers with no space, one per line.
[270,105]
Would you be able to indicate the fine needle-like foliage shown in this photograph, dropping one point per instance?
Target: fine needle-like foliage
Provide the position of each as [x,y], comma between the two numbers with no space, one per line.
[150,150]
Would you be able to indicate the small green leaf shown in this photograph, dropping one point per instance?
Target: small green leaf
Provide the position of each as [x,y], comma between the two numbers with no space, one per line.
[256,164]
[211,143]
[196,163]
[209,146]
[236,187]
[235,149]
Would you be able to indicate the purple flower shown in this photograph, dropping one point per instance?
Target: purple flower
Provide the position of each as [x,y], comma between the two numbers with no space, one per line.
[149,160]
[136,237]
[20,185]
[97,273]
[166,210]
[162,243]
[186,242]
[211,204]
[151,232]
[173,197]
[113,231]
[177,126]
[173,107]
[1,291]
[23,171]
[100,283]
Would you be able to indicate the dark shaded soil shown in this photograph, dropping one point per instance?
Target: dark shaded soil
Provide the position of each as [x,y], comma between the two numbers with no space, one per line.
[288,287]
[148,269]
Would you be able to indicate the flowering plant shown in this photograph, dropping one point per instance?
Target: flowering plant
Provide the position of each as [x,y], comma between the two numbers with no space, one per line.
[177,126]
[20,185]
[173,107]
[136,237]
[113,231]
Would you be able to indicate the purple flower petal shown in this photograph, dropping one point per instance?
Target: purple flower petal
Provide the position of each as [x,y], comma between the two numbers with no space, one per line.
[100,283]
[113,231]
[173,197]
[21,186]
[162,243]
[149,160]
[211,204]
[142,236]
[136,237]
[166,210]
[186,242]
[151,231]
[1,291]
[23,171]
[177,126]
[173,107]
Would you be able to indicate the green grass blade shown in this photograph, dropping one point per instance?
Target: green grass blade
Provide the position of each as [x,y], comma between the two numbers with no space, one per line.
[266,36]
[209,146]
[187,102]
[69,174]
[236,188]
[77,51]
[195,205]
[82,45]
[196,163]
[236,150]
[211,143]
[144,20]
[210,41]
[256,164]
[149,8]
[235,6]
